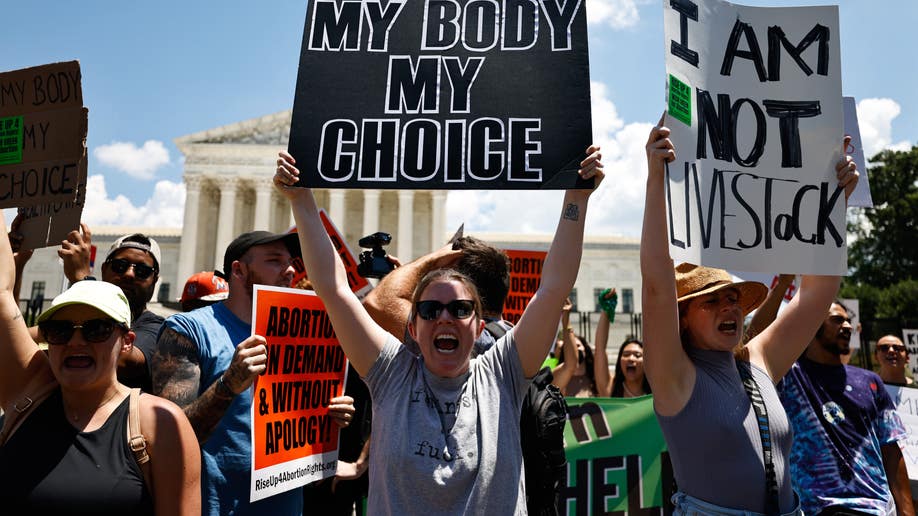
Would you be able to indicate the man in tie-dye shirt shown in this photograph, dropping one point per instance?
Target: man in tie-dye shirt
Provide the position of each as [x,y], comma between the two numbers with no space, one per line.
[845,457]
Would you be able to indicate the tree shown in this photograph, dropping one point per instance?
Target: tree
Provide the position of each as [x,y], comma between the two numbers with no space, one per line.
[885,251]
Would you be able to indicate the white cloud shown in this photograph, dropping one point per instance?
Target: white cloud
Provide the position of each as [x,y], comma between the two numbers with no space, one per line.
[616,208]
[618,14]
[139,162]
[875,118]
[165,208]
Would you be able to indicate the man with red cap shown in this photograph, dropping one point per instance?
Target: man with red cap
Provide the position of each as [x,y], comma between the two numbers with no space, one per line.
[203,289]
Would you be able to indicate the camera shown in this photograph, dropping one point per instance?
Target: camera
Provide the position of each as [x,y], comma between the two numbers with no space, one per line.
[373,262]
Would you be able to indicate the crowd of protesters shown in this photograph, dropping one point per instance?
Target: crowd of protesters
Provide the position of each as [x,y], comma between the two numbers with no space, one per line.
[764,418]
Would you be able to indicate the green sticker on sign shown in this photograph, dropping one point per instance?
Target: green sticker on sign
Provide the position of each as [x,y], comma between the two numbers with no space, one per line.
[11,140]
[680,100]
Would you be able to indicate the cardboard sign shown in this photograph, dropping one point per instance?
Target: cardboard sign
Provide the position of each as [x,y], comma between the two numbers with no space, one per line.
[525,276]
[48,224]
[41,88]
[861,194]
[294,440]
[755,110]
[43,127]
[43,182]
[451,94]
[854,310]
[617,458]
[359,285]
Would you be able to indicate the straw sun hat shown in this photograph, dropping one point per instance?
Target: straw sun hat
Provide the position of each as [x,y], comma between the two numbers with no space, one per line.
[694,280]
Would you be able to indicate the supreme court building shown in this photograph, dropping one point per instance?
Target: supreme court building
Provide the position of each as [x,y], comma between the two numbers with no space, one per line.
[228,172]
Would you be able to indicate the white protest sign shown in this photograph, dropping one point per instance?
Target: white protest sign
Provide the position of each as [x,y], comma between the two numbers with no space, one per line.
[861,194]
[906,401]
[910,339]
[854,310]
[755,109]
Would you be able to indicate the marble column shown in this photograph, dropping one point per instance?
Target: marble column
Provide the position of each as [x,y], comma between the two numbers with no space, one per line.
[437,219]
[263,205]
[189,245]
[226,219]
[336,209]
[405,225]
[370,212]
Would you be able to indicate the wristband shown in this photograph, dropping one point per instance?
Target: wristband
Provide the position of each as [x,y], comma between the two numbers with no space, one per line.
[226,391]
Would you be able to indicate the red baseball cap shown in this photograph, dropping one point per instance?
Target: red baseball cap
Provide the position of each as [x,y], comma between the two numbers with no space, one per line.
[205,286]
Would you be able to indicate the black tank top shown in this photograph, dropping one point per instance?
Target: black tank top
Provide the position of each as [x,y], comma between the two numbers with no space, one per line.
[48,467]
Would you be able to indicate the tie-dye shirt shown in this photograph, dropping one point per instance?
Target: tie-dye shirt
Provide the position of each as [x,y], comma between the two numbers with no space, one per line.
[841,416]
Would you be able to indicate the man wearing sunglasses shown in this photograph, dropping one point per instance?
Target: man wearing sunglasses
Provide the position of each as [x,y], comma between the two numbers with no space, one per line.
[845,458]
[892,355]
[132,263]
[206,361]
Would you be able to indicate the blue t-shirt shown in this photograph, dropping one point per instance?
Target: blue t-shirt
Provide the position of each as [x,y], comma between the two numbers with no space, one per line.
[842,416]
[226,454]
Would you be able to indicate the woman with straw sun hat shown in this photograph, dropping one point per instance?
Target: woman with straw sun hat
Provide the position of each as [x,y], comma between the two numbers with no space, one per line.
[726,431]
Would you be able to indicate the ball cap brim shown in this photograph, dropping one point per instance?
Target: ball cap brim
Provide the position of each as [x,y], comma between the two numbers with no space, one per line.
[105,297]
[246,241]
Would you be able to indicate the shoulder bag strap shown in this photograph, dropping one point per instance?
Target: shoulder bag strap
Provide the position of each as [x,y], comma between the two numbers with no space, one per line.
[761,414]
[134,436]
[22,408]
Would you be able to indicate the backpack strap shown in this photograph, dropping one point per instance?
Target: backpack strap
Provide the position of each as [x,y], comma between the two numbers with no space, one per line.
[497,329]
[134,436]
[22,408]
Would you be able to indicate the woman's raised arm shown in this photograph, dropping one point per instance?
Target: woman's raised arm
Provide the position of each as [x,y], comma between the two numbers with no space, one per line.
[536,329]
[23,367]
[669,370]
[360,337]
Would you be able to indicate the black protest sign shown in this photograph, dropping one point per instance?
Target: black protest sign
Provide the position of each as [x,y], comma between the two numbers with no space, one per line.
[442,94]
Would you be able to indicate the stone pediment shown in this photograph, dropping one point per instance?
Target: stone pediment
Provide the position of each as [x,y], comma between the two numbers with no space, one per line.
[266,130]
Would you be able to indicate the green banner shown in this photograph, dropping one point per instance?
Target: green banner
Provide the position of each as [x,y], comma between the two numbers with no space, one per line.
[617,459]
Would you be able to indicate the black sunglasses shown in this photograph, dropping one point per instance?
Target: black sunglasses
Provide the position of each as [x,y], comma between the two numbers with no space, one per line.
[59,332]
[458,308]
[142,271]
[895,347]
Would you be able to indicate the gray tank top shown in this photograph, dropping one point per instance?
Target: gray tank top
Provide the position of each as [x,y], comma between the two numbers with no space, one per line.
[714,441]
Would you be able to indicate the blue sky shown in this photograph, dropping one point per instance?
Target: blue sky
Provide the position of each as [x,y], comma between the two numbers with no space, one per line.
[154,71]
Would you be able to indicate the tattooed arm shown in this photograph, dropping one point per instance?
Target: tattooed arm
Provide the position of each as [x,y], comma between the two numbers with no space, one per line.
[177,377]
[23,367]
[536,329]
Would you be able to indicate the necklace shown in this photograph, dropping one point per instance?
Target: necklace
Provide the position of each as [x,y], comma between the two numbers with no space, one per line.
[447,456]
[631,394]
[76,417]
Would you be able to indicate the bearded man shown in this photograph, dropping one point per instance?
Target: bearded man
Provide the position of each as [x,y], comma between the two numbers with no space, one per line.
[206,362]
[846,457]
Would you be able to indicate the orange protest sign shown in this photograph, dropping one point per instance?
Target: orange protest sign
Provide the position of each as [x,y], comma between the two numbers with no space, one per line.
[359,285]
[525,275]
[294,440]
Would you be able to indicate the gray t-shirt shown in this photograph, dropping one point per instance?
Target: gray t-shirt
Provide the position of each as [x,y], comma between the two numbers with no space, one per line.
[463,459]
